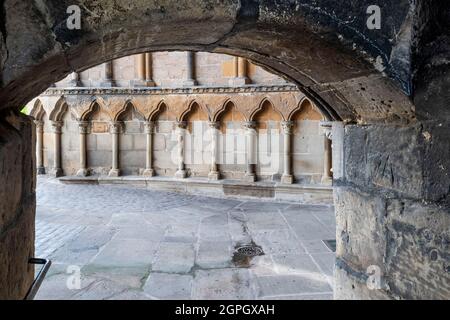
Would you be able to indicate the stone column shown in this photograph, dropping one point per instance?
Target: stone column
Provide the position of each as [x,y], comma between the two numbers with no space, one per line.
[149,70]
[40,146]
[287,176]
[250,133]
[57,131]
[180,131]
[143,64]
[108,75]
[149,172]
[240,76]
[214,173]
[75,79]
[115,128]
[327,160]
[83,127]
[190,70]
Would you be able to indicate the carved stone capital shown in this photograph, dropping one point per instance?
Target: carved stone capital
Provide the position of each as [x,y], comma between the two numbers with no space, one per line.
[249,125]
[57,126]
[181,124]
[288,127]
[326,127]
[115,127]
[39,125]
[214,124]
[149,125]
[83,127]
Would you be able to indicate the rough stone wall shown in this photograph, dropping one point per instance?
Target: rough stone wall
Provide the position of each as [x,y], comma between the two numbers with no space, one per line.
[392,212]
[17,205]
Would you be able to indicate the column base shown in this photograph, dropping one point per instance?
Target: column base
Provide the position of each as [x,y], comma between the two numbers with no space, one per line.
[239,81]
[250,177]
[57,172]
[148,173]
[287,179]
[143,83]
[82,173]
[214,175]
[327,180]
[74,83]
[40,170]
[107,84]
[114,173]
[180,174]
[189,83]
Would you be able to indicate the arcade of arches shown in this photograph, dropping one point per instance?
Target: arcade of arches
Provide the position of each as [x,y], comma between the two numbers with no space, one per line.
[83,128]
[386,92]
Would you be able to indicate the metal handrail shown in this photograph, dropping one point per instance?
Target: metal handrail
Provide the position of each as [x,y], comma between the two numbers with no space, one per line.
[40,277]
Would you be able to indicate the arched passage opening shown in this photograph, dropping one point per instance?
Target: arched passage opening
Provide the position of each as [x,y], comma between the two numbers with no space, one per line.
[342,84]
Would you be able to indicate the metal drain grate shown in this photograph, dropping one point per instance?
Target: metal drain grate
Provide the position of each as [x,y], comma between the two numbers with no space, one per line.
[249,251]
[331,244]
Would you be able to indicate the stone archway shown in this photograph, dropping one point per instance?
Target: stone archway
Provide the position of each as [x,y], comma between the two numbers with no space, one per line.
[333,58]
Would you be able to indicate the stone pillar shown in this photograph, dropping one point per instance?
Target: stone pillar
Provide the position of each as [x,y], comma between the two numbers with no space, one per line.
[83,127]
[75,79]
[143,63]
[287,176]
[149,70]
[327,176]
[190,70]
[214,173]
[180,131]
[57,131]
[115,129]
[235,67]
[392,212]
[108,75]
[251,137]
[40,146]
[149,172]
[239,72]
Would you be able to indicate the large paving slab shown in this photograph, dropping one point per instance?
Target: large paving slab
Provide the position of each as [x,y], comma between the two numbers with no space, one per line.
[133,243]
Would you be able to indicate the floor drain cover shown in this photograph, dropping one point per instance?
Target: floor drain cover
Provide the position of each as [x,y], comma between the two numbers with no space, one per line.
[249,251]
[331,244]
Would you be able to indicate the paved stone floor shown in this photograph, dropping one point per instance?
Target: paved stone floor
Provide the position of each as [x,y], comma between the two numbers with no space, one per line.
[123,242]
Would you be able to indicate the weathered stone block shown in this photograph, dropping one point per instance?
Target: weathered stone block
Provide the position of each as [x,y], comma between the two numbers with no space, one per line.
[17,208]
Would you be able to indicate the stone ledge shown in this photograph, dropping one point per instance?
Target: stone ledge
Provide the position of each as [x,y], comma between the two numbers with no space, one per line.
[263,190]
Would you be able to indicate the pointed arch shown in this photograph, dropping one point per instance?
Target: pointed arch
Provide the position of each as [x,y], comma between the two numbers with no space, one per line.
[302,106]
[223,109]
[37,112]
[191,105]
[129,106]
[93,107]
[59,110]
[159,108]
[261,106]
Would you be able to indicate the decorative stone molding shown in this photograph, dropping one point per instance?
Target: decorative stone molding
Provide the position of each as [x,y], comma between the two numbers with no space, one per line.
[167,91]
